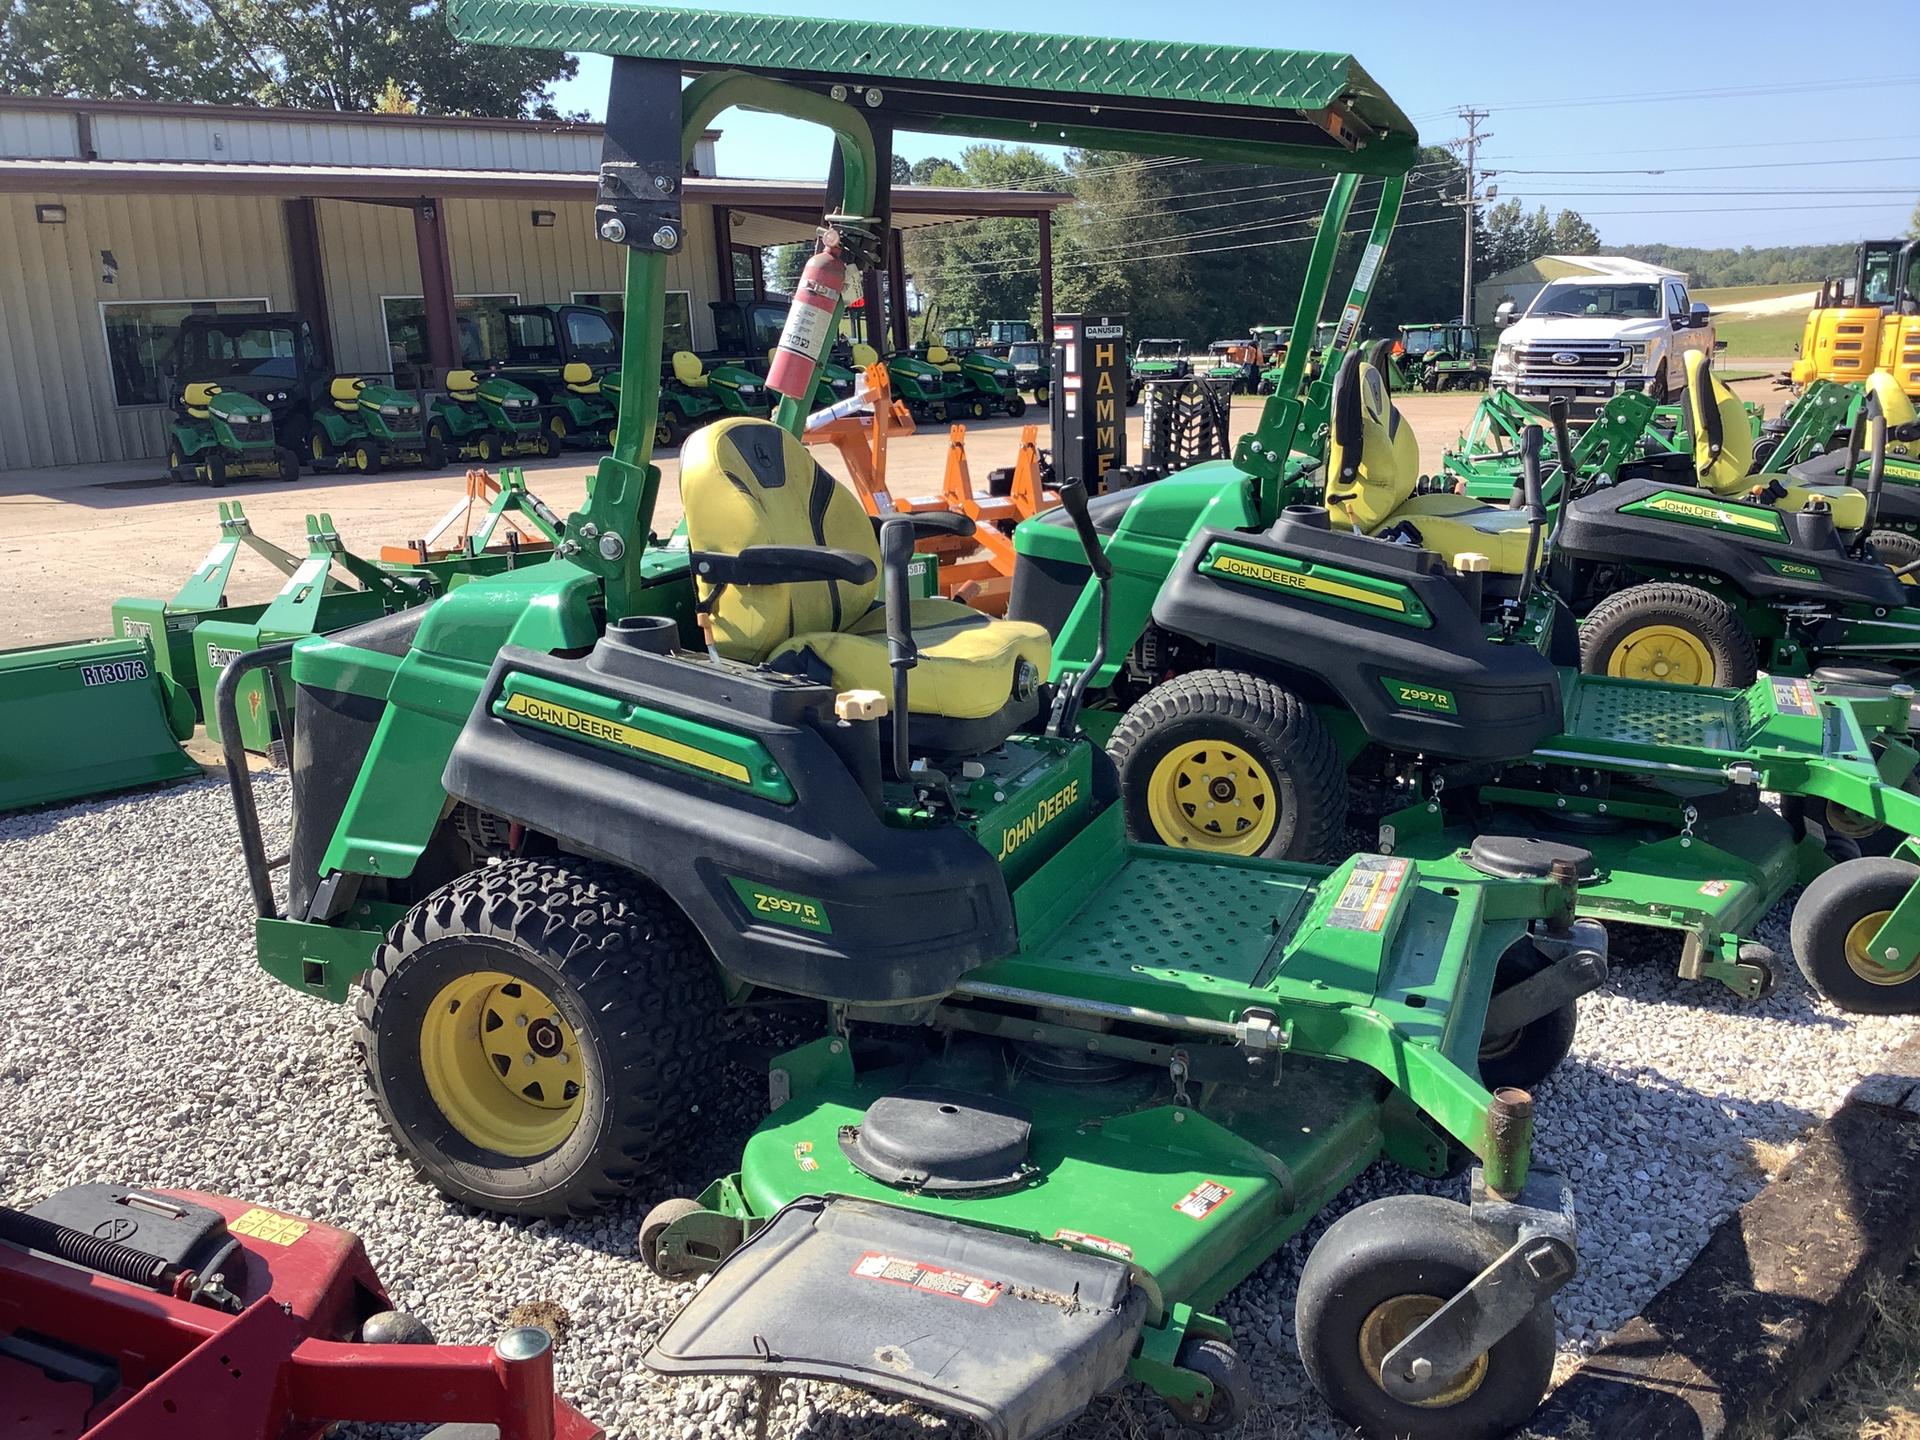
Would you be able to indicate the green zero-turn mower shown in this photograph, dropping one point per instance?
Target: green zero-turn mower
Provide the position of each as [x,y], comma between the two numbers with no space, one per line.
[369,427]
[215,435]
[488,418]
[548,826]
[1282,629]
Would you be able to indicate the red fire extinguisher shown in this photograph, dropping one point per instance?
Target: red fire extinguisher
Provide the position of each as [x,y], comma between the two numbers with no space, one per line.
[809,328]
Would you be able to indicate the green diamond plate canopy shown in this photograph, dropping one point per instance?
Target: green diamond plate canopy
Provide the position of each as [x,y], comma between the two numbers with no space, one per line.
[1294,107]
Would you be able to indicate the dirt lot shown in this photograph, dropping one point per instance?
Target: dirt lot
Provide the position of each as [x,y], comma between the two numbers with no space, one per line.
[72,541]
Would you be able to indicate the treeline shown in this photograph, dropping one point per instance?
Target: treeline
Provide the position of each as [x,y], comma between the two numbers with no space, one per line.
[1748,265]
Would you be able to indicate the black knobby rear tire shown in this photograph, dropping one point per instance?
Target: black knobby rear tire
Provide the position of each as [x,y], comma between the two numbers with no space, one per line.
[1378,1257]
[1258,718]
[629,976]
[1897,549]
[1831,931]
[1710,620]
[1016,406]
[1524,1057]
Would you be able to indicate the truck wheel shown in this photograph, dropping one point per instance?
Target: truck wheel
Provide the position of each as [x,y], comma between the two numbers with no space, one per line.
[1897,549]
[1673,633]
[1375,1276]
[539,1035]
[1833,929]
[1523,1058]
[1229,763]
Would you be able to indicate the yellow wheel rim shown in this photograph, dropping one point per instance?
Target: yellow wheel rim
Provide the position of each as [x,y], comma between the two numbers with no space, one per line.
[1868,963]
[1662,652]
[1209,795]
[502,1064]
[559,427]
[1850,823]
[319,447]
[1390,1322]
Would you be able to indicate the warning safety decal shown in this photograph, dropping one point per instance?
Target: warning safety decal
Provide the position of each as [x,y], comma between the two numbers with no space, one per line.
[1368,897]
[1202,1200]
[1793,697]
[1095,1242]
[267,1226]
[934,1280]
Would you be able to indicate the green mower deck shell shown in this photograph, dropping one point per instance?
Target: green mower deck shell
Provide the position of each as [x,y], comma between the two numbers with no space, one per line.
[86,719]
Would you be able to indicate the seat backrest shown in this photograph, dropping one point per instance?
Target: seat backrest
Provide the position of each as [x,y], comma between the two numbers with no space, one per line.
[688,368]
[345,391]
[1722,438]
[577,372]
[1373,459]
[864,354]
[745,481]
[462,384]
[1885,389]
[198,396]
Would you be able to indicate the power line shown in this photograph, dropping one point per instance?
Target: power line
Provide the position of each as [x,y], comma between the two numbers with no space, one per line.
[1724,92]
[1696,169]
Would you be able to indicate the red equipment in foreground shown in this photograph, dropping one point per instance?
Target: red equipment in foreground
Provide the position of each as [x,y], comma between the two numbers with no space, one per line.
[172,1315]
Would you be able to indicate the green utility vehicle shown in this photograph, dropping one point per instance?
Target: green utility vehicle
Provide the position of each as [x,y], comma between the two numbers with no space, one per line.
[268,357]
[367,427]
[489,419]
[1156,360]
[561,353]
[216,435]
[1293,621]
[546,828]
[1032,364]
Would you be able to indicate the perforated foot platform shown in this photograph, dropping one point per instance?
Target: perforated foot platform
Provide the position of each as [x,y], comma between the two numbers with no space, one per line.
[1008,1332]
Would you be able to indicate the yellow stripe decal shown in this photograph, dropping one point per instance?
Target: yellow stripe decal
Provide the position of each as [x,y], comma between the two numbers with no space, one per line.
[612,732]
[1291,580]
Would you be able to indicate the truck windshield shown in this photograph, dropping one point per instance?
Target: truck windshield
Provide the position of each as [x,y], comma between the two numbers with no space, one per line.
[1026,353]
[1419,342]
[1617,302]
[208,353]
[1161,349]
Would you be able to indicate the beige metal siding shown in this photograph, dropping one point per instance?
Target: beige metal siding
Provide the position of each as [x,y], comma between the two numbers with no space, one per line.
[56,394]
[366,251]
[243,140]
[38,135]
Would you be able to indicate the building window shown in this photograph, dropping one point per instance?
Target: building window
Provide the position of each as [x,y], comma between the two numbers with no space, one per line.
[676,327]
[480,319]
[746,272]
[141,336]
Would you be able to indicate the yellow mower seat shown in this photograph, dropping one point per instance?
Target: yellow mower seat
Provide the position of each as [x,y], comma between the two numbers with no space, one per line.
[1722,438]
[1849,505]
[345,391]
[578,377]
[462,385]
[689,370]
[943,357]
[745,481]
[198,397]
[1373,469]
[864,354]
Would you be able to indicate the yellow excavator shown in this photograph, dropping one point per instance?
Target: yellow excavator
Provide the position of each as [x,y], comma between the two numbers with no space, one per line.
[1865,322]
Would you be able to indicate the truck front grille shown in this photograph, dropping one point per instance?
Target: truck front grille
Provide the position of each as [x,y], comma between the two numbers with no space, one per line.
[1573,361]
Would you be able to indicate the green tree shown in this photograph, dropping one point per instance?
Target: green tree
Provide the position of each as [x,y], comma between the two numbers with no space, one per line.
[1572,235]
[315,54]
[1510,236]
[1913,222]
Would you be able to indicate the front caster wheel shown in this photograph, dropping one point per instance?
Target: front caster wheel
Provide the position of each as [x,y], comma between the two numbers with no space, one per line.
[1375,1277]
[1834,933]
[1522,1058]
[539,1035]
[667,1212]
[1220,1364]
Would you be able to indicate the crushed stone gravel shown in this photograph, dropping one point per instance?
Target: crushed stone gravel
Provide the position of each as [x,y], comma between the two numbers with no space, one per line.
[140,1043]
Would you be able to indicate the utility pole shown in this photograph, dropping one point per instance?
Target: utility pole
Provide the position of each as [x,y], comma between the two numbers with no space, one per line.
[1470,202]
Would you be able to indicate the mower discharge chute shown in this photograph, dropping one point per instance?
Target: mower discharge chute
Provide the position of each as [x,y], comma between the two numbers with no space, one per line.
[549,825]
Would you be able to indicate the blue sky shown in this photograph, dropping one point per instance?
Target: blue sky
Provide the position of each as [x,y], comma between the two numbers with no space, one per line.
[1768,133]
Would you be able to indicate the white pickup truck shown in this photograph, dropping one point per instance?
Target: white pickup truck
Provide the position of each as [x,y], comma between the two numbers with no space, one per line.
[1588,340]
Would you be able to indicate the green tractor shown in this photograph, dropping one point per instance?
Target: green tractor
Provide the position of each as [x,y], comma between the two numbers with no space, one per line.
[489,419]
[1067,1091]
[1441,357]
[216,435]
[1156,360]
[369,427]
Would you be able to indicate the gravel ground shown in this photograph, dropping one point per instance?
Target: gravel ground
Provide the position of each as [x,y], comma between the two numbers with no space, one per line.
[139,1043]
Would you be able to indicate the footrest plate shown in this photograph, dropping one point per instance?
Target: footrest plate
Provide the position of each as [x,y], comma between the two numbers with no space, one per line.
[1011,1333]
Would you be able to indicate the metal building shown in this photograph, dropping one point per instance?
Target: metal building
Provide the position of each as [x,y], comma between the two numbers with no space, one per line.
[401,237]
